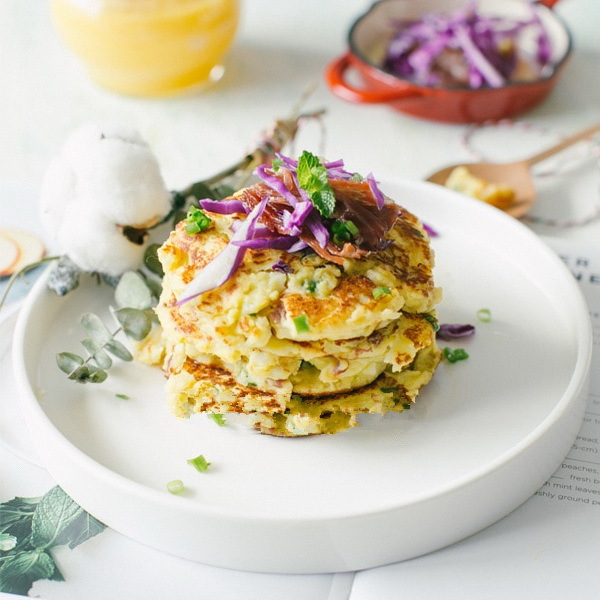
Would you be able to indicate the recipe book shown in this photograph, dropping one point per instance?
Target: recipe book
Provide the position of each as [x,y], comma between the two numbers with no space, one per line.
[547,548]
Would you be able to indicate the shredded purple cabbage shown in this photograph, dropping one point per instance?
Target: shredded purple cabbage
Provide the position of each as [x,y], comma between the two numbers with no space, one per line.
[282,267]
[276,184]
[223,207]
[451,331]
[294,213]
[431,232]
[467,48]
[377,193]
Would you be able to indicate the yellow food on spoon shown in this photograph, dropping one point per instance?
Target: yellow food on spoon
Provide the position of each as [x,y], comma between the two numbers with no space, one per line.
[463,181]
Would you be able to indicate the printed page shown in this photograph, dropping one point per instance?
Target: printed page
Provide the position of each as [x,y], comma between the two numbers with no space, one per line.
[547,548]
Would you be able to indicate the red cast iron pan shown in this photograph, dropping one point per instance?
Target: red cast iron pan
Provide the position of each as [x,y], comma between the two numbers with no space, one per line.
[369,37]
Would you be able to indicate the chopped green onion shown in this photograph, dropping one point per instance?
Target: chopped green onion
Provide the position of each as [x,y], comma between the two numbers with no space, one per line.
[387,390]
[484,315]
[301,323]
[343,231]
[276,164]
[455,355]
[311,286]
[199,463]
[217,418]
[122,396]
[381,291]
[176,486]
[434,322]
[196,221]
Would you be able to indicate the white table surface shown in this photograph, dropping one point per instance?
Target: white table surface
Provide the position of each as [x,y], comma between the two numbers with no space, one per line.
[282,47]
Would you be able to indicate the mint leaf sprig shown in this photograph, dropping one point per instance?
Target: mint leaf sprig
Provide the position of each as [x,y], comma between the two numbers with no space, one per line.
[313,179]
[30,528]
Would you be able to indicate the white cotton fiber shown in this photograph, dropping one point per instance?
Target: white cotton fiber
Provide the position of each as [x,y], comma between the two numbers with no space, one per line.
[105,176]
[93,243]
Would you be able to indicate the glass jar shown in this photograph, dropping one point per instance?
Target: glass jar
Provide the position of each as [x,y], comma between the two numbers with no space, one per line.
[149,47]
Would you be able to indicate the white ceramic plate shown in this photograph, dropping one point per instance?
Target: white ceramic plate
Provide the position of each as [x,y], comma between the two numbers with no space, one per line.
[482,438]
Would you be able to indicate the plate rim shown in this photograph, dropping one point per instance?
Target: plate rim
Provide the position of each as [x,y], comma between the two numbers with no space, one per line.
[139,490]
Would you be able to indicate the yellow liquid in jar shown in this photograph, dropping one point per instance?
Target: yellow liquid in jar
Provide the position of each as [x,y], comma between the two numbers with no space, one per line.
[149,47]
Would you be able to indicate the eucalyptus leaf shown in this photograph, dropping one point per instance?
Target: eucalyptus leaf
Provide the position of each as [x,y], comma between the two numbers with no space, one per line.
[68,362]
[54,513]
[19,571]
[119,350]
[96,351]
[95,327]
[88,374]
[223,191]
[151,259]
[201,191]
[155,285]
[133,292]
[136,323]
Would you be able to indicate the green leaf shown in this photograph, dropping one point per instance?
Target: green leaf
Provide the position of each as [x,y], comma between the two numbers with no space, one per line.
[7,542]
[119,350]
[19,571]
[81,529]
[312,178]
[53,515]
[133,292]
[136,323]
[96,328]
[88,374]
[151,259]
[223,191]
[201,191]
[15,519]
[96,351]
[68,362]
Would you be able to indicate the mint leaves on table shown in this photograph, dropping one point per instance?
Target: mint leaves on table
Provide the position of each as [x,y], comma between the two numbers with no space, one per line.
[30,528]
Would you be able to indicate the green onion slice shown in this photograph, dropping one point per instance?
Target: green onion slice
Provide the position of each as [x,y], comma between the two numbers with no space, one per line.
[218,418]
[381,291]
[199,463]
[484,315]
[175,486]
[301,323]
[196,221]
[455,355]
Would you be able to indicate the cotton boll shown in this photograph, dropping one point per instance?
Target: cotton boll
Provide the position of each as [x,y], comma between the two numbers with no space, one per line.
[90,133]
[94,243]
[116,169]
[104,176]
[123,179]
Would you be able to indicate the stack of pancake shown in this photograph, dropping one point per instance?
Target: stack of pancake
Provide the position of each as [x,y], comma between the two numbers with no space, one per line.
[298,342]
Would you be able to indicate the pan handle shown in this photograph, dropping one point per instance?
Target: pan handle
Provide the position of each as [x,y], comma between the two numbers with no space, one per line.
[548,3]
[334,76]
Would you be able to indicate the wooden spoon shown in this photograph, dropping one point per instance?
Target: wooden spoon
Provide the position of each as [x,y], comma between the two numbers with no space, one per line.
[516,175]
